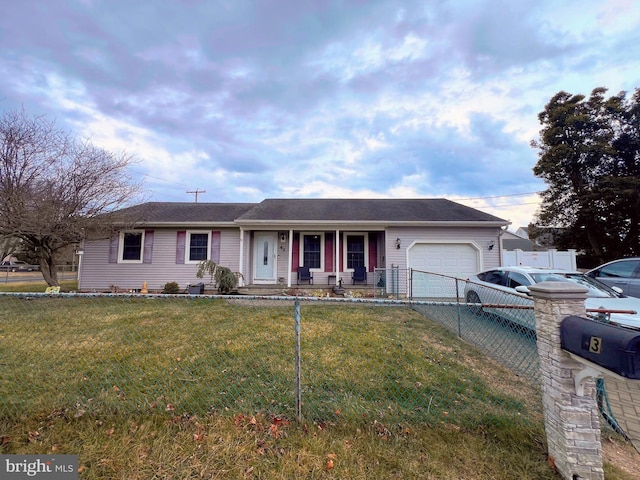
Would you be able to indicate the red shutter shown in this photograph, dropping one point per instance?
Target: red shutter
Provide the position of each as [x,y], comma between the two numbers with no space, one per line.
[328,253]
[148,246]
[373,251]
[215,246]
[295,252]
[113,248]
[181,243]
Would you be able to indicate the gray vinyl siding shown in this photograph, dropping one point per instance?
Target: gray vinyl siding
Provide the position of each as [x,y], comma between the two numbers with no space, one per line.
[97,274]
[479,236]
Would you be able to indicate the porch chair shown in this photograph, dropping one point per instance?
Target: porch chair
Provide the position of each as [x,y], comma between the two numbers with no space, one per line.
[304,275]
[359,275]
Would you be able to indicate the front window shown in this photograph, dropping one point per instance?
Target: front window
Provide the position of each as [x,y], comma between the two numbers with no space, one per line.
[311,253]
[130,247]
[198,246]
[355,251]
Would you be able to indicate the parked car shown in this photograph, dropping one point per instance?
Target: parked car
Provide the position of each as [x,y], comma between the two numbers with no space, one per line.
[623,273]
[18,266]
[510,286]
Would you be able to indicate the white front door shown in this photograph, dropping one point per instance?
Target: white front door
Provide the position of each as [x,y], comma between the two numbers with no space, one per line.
[264,254]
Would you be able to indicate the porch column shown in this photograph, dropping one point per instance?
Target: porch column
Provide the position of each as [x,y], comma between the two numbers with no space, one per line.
[290,261]
[241,263]
[337,257]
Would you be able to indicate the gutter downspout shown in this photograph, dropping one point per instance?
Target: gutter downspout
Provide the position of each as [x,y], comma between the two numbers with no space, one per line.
[290,261]
[241,263]
[337,256]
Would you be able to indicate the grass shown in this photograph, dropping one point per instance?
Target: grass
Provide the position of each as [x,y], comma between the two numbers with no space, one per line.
[35,287]
[198,388]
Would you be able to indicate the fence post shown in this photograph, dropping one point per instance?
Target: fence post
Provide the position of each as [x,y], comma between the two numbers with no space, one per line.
[458,308]
[572,422]
[298,361]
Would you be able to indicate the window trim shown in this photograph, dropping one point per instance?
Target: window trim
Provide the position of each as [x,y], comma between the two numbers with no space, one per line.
[121,246]
[322,247]
[345,252]
[187,246]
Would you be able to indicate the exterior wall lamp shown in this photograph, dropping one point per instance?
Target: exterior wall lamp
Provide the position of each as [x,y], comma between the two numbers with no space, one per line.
[491,245]
[398,243]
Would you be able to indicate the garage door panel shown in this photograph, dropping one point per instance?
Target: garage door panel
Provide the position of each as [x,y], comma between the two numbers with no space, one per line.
[459,260]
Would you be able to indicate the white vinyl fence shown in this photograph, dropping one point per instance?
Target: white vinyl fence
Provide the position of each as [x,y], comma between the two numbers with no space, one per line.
[549,259]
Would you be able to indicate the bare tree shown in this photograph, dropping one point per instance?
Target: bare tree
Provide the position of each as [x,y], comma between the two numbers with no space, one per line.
[54,188]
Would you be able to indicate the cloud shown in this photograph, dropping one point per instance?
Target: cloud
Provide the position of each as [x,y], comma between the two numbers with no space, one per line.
[248,99]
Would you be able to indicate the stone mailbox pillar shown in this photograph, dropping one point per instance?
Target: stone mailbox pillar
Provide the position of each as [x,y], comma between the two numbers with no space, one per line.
[572,422]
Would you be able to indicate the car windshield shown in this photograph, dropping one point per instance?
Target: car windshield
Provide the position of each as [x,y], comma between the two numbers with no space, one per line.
[547,277]
[596,289]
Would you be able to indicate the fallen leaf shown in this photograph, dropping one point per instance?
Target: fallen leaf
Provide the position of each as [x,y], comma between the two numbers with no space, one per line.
[280,421]
[170,408]
[329,465]
[238,420]
[110,432]
[198,437]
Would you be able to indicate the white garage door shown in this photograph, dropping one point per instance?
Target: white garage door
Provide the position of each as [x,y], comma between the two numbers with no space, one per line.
[452,259]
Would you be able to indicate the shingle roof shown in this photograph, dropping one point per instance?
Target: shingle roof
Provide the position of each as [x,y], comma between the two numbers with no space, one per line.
[373,210]
[522,244]
[307,210]
[179,212]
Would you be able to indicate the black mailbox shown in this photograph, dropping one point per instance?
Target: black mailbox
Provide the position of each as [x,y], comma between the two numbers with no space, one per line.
[612,347]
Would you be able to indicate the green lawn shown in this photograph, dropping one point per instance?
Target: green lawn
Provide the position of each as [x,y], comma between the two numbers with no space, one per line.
[199,388]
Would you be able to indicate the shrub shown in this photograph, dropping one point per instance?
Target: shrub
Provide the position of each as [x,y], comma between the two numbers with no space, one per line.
[220,276]
[171,287]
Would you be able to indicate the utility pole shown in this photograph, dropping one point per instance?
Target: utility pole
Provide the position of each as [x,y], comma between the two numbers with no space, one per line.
[196,192]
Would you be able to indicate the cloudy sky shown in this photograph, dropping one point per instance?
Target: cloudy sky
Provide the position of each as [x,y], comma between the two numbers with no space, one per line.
[254,99]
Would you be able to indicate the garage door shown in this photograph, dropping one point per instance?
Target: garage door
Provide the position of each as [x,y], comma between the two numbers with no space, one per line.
[452,259]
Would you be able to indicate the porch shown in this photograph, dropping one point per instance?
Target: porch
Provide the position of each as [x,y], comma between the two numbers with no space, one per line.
[277,258]
[359,289]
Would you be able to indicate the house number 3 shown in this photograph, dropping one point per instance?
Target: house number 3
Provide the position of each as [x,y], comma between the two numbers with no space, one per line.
[595,345]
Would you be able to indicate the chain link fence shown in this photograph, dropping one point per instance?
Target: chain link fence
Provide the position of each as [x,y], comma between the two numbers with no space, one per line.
[500,324]
[316,359]
[389,282]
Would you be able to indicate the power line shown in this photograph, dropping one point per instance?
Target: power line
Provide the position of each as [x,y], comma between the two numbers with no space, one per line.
[501,196]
